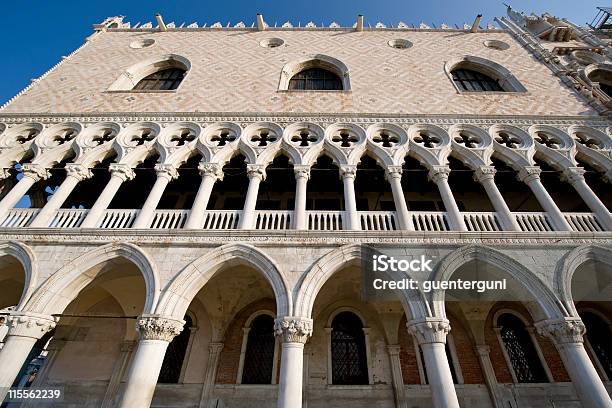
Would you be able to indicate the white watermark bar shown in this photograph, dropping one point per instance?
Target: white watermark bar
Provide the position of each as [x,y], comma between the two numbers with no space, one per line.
[34,394]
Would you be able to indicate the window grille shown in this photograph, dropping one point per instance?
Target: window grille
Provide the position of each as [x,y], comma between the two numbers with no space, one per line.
[349,360]
[474,81]
[164,80]
[598,334]
[315,79]
[521,350]
[175,355]
[259,356]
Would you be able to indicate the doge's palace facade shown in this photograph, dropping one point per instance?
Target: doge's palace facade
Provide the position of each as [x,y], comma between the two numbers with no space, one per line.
[184,213]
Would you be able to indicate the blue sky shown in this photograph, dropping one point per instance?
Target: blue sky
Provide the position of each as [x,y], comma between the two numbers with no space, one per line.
[36,33]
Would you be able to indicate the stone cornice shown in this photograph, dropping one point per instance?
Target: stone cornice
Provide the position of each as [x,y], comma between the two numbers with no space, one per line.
[304,238]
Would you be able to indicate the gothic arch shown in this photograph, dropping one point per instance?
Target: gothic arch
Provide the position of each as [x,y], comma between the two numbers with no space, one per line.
[549,303]
[572,261]
[314,61]
[323,269]
[185,286]
[63,286]
[27,259]
[132,75]
[506,79]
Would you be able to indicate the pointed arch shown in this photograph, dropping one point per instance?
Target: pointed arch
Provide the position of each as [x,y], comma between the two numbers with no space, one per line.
[322,61]
[63,286]
[506,80]
[570,263]
[135,73]
[27,259]
[549,303]
[185,286]
[323,269]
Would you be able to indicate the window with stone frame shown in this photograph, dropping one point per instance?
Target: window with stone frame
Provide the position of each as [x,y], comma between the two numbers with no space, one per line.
[475,81]
[315,79]
[259,355]
[165,80]
[348,350]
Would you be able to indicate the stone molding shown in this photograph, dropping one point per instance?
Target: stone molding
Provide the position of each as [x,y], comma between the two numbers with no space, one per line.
[154,327]
[429,330]
[562,331]
[293,329]
[27,324]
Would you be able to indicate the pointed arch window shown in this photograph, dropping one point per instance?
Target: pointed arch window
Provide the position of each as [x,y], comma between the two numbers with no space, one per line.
[175,355]
[164,80]
[520,349]
[315,79]
[348,350]
[598,335]
[259,355]
[474,81]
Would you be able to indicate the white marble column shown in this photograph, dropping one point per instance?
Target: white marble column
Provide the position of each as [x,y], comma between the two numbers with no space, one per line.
[394,176]
[156,332]
[119,174]
[210,172]
[396,375]
[485,175]
[256,173]
[348,173]
[439,175]
[294,333]
[32,173]
[165,174]
[567,335]
[75,173]
[24,329]
[210,376]
[302,174]
[530,175]
[575,176]
[110,396]
[431,336]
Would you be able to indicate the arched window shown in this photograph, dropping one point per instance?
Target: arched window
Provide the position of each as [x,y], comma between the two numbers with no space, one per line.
[474,81]
[175,355]
[598,335]
[259,356]
[164,80]
[315,79]
[520,349]
[348,350]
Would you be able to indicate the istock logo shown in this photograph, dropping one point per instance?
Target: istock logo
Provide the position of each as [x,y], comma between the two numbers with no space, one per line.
[385,263]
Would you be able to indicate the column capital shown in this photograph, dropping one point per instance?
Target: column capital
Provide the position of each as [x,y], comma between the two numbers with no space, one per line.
[439,173]
[393,172]
[429,330]
[561,331]
[573,175]
[155,327]
[215,348]
[482,349]
[78,171]
[293,329]
[35,171]
[484,173]
[348,171]
[302,171]
[529,173]
[33,325]
[127,346]
[211,169]
[256,171]
[393,349]
[123,171]
[167,171]
[5,173]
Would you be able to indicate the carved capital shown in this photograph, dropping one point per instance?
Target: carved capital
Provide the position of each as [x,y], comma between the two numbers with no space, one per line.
[35,172]
[122,171]
[484,173]
[78,171]
[439,173]
[393,172]
[529,174]
[293,329]
[166,170]
[348,171]
[215,348]
[211,169]
[301,171]
[429,330]
[562,331]
[256,171]
[573,175]
[153,327]
[25,324]
[393,349]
